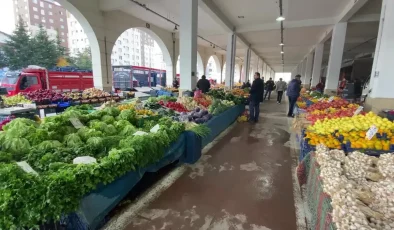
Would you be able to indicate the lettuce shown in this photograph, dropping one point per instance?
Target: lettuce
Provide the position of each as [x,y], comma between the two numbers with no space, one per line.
[86,133]
[72,140]
[108,119]
[128,130]
[111,130]
[47,146]
[119,125]
[19,147]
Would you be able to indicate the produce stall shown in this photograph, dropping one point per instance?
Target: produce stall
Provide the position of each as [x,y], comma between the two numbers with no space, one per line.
[346,162]
[76,166]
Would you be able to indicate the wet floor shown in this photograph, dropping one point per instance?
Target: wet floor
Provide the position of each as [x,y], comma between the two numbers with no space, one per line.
[243,182]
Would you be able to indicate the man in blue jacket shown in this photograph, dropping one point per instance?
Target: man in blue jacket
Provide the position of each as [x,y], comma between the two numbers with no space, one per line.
[293,92]
[256,95]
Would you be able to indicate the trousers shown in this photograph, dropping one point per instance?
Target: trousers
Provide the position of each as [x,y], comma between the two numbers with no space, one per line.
[254,110]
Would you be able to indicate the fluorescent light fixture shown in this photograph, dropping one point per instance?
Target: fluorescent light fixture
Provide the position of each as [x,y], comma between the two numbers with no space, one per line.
[281,44]
[280,18]
[241,16]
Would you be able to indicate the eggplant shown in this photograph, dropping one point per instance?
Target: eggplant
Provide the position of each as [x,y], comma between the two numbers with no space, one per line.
[197,109]
[204,112]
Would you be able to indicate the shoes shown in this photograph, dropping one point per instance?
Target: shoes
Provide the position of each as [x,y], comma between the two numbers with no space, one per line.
[277,102]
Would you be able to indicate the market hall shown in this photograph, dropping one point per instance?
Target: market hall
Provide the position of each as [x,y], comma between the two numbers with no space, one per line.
[172,159]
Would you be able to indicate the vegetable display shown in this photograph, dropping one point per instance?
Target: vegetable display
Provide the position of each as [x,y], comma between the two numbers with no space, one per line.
[45,96]
[361,188]
[178,107]
[219,106]
[58,185]
[16,99]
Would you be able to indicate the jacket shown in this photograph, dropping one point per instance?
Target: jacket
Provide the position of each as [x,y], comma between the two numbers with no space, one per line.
[280,86]
[203,85]
[270,85]
[257,90]
[294,88]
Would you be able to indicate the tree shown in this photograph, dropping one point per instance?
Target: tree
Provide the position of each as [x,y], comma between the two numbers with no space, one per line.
[18,48]
[3,59]
[83,60]
[46,52]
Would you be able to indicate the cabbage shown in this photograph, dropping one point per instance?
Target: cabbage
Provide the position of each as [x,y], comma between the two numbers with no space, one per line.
[128,130]
[17,146]
[121,124]
[99,126]
[111,130]
[47,146]
[112,111]
[95,142]
[86,133]
[73,140]
[108,119]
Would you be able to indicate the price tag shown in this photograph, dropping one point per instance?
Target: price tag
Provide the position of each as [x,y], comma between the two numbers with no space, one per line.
[26,167]
[30,106]
[331,99]
[371,132]
[76,123]
[358,110]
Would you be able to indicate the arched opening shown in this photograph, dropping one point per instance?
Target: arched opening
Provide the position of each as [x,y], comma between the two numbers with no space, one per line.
[139,58]
[213,69]
[91,37]
[200,66]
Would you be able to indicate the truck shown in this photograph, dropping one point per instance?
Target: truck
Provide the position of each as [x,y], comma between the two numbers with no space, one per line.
[142,77]
[34,78]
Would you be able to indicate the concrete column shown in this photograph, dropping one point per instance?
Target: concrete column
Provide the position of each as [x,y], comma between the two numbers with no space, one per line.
[246,65]
[308,70]
[303,68]
[188,44]
[335,60]
[382,81]
[230,60]
[317,64]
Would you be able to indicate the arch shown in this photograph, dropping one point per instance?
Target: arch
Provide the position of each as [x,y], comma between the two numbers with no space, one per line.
[214,69]
[93,41]
[166,57]
[200,66]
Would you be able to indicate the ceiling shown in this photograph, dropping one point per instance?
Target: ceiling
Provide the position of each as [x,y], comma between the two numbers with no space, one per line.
[307,22]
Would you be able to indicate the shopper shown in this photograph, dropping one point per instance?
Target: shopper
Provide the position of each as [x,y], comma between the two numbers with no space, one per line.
[203,84]
[256,93]
[293,92]
[269,87]
[247,85]
[320,87]
[175,84]
[280,88]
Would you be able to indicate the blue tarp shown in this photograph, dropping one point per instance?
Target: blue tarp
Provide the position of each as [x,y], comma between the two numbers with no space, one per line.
[95,206]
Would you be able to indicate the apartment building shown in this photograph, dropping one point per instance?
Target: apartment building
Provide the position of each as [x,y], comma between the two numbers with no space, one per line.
[47,13]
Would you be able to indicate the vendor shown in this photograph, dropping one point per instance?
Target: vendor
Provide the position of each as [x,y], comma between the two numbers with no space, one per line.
[175,84]
[320,87]
[203,84]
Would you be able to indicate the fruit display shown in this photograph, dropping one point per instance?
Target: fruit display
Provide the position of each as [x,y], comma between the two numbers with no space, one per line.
[361,188]
[145,112]
[301,104]
[203,101]
[45,96]
[94,93]
[322,105]
[240,92]
[171,89]
[188,102]
[178,107]
[332,113]
[17,99]
[352,131]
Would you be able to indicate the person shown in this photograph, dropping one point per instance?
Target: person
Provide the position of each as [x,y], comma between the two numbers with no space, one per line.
[280,87]
[270,86]
[203,84]
[175,84]
[247,85]
[256,93]
[293,92]
[320,87]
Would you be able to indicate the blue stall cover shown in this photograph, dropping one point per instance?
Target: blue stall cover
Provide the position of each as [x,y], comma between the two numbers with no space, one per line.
[96,205]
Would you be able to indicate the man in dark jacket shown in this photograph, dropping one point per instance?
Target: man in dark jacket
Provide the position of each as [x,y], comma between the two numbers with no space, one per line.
[293,92]
[203,84]
[256,94]
[270,86]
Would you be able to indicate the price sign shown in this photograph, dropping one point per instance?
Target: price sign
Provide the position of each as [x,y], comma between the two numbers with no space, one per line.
[26,167]
[76,123]
[30,106]
[331,99]
[371,132]
[358,110]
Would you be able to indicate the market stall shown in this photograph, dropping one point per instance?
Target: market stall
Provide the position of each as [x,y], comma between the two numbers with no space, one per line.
[346,158]
[76,166]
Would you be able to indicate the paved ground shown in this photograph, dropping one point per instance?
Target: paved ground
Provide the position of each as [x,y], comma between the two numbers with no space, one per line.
[244,182]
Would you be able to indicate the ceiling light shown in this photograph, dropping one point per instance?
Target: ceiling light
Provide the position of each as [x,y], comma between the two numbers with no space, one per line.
[176,27]
[280,18]
[282,52]
[241,16]
[281,44]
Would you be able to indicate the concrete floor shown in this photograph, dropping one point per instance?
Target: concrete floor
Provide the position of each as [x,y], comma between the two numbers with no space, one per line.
[243,182]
